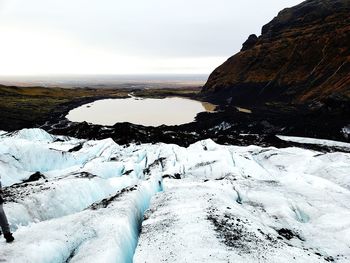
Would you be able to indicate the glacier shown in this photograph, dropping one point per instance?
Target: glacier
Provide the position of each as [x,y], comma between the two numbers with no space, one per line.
[74,200]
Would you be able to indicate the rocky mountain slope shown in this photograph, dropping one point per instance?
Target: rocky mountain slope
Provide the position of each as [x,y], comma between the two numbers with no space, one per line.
[72,200]
[302,55]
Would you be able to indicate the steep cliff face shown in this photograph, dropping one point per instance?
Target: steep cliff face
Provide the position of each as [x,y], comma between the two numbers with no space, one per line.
[302,55]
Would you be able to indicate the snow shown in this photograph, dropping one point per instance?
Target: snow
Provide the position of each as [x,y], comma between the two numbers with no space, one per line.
[322,142]
[232,204]
[223,126]
[182,231]
[34,135]
[346,131]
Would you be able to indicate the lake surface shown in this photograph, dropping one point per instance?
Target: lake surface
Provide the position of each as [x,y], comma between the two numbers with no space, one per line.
[147,112]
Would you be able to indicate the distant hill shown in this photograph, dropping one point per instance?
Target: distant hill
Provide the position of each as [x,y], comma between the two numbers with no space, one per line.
[302,56]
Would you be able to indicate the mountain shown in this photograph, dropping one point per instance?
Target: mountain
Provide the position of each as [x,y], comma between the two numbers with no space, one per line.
[302,55]
[73,200]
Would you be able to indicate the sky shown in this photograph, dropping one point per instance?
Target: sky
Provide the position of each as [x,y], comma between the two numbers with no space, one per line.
[45,37]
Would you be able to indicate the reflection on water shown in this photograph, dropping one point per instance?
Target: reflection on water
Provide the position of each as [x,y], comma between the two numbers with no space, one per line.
[209,107]
[148,112]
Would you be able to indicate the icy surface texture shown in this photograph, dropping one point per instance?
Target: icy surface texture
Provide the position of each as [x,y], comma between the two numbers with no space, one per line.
[71,200]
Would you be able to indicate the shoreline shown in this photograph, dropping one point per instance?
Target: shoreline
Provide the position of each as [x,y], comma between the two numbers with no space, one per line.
[25,107]
[227,126]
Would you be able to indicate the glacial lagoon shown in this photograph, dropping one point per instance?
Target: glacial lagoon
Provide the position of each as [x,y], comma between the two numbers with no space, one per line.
[147,112]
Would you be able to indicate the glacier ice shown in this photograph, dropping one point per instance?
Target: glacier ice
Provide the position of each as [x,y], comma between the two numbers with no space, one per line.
[232,204]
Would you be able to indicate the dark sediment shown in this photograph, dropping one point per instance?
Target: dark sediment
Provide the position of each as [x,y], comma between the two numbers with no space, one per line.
[228,126]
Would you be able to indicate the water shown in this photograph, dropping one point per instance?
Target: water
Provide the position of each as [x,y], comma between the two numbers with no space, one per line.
[147,112]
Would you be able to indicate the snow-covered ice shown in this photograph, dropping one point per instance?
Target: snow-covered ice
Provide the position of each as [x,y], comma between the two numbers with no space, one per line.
[346,131]
[321,142]
[204,203]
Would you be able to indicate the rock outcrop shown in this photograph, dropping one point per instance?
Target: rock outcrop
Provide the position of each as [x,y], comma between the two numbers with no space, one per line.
[302,56]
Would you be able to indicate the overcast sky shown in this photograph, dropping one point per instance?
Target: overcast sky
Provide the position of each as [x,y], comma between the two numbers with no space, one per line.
[126,36]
